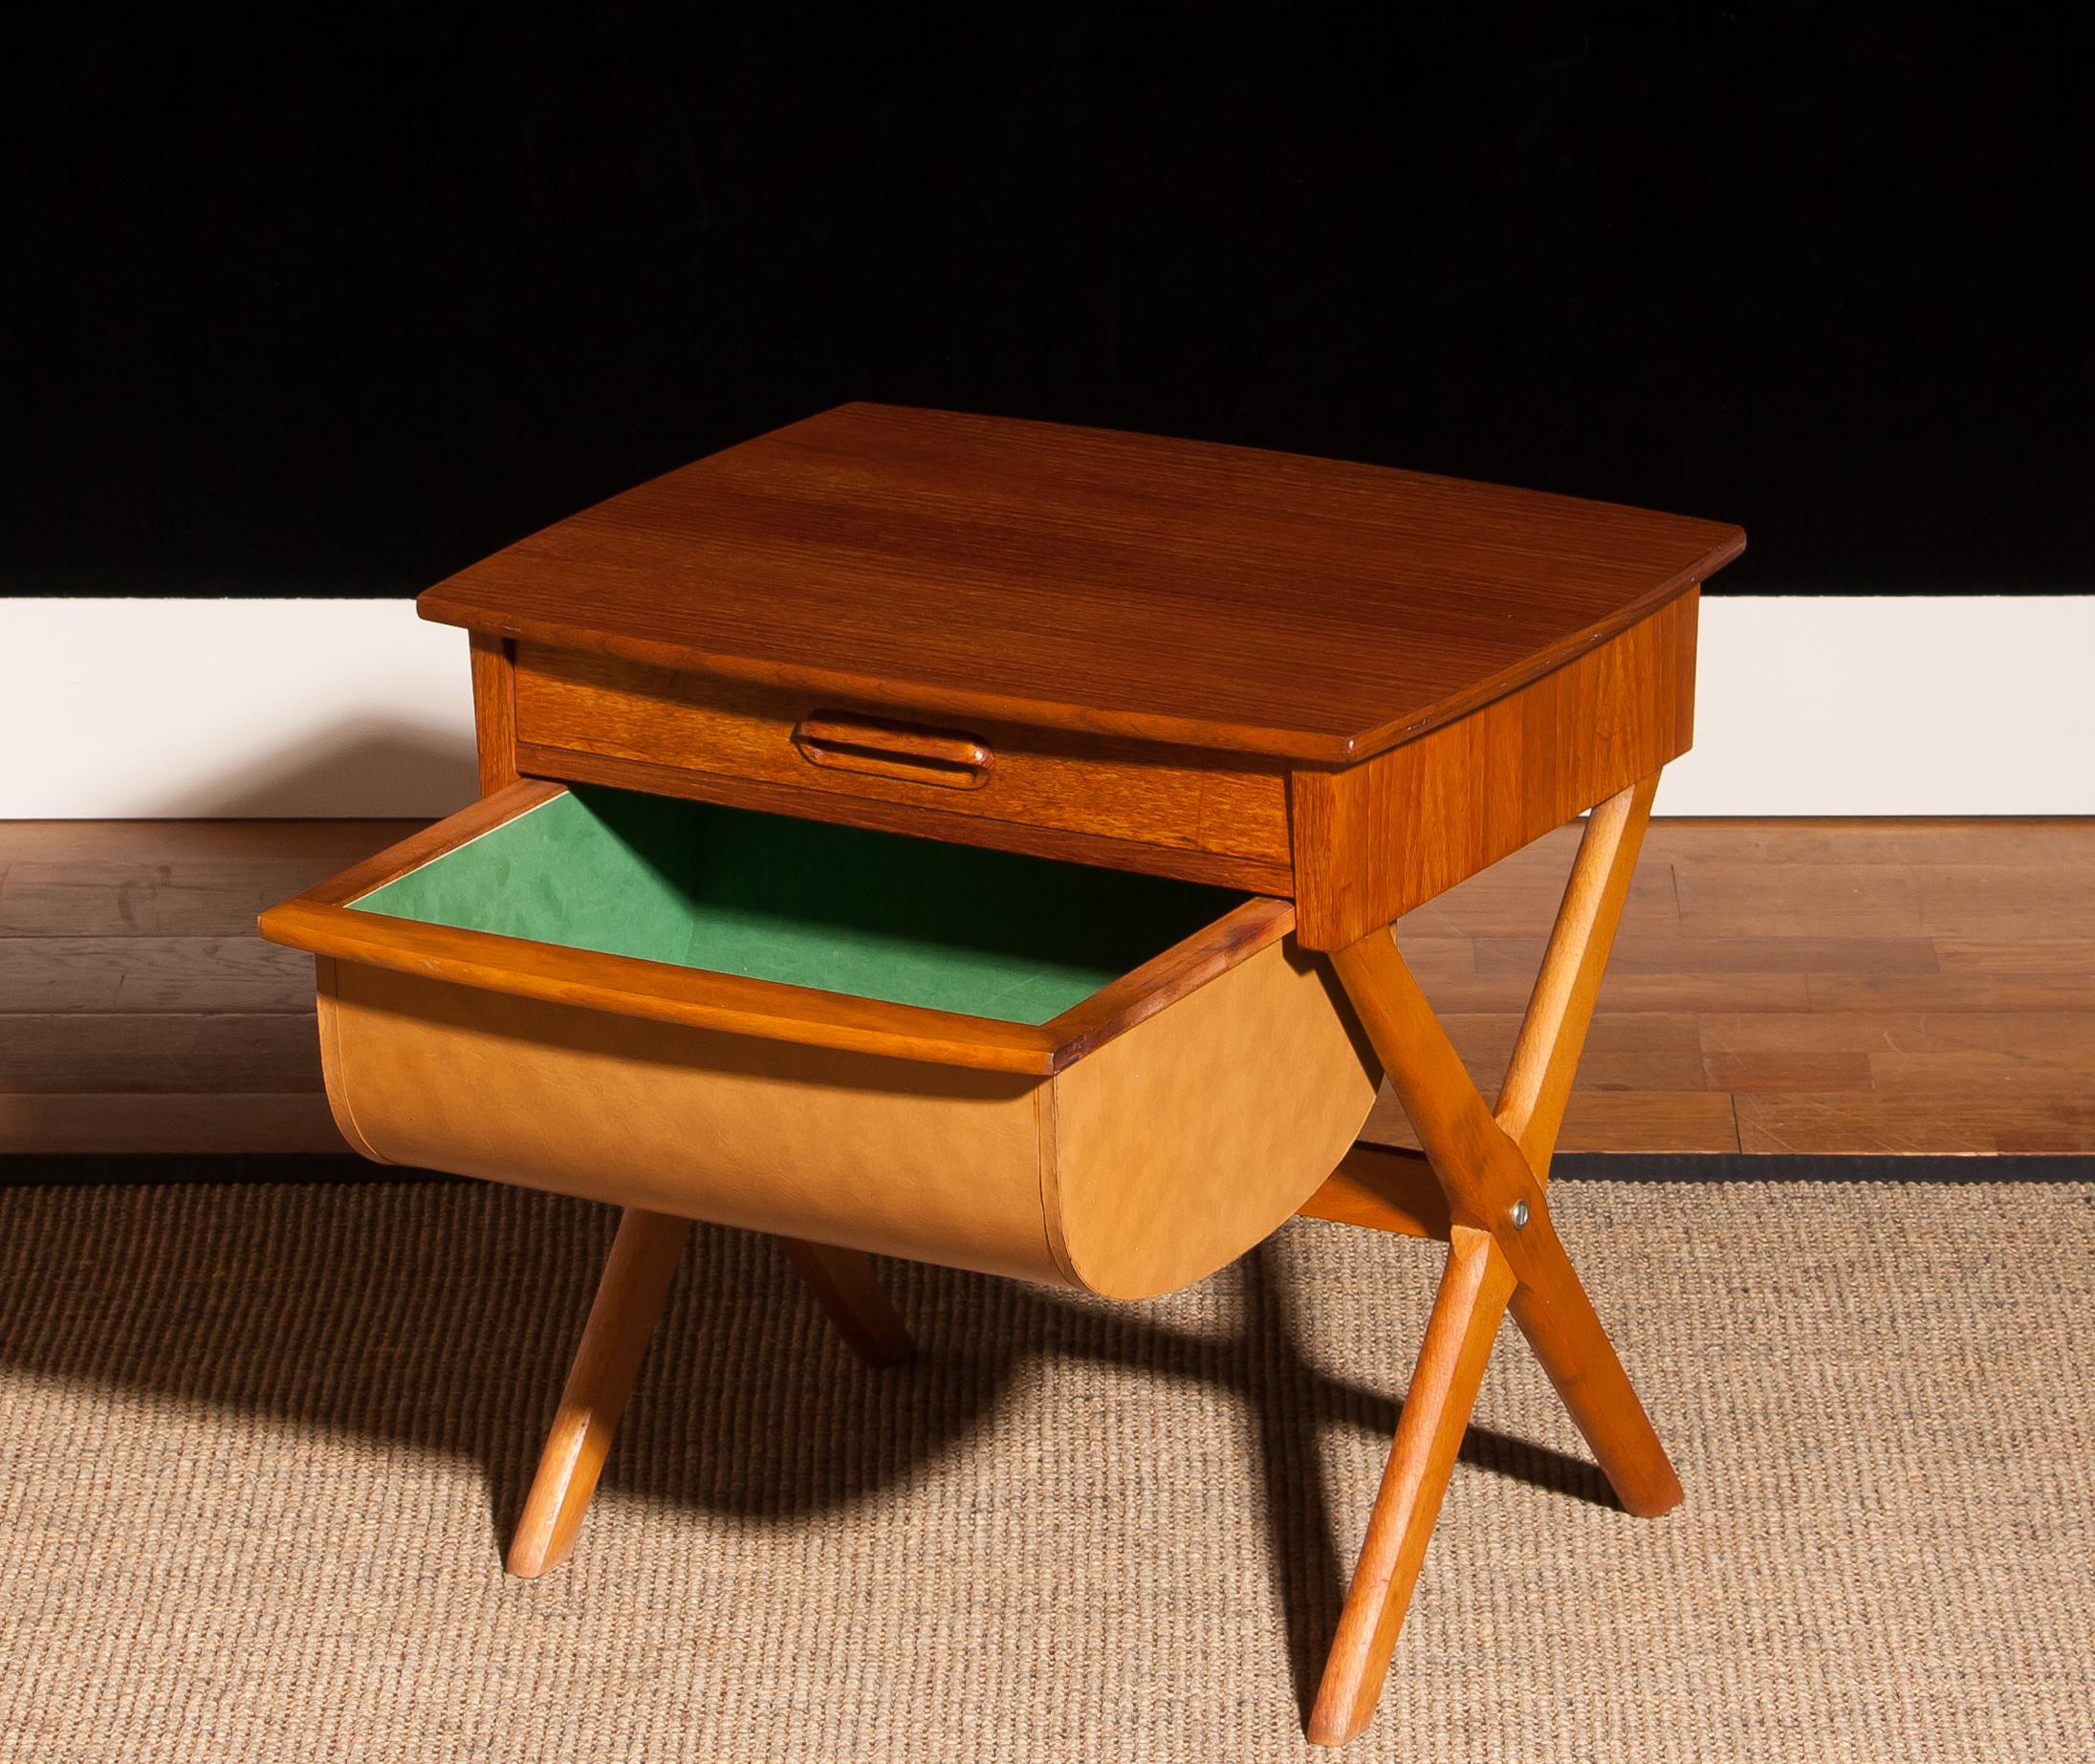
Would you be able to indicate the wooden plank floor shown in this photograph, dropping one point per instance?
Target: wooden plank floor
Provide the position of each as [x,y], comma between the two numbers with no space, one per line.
[1779,986]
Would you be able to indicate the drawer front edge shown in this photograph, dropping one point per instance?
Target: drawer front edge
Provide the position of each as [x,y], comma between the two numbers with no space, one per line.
[1206,817]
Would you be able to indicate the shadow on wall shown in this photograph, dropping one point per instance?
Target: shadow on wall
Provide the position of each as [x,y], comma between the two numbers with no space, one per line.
[441,1315]
[374,767]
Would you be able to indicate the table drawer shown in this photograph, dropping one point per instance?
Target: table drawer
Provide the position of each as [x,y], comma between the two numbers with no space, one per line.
[1204,816]
[1065,1073]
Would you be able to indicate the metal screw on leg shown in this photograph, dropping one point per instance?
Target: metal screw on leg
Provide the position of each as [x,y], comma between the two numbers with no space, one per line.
[1519,1215]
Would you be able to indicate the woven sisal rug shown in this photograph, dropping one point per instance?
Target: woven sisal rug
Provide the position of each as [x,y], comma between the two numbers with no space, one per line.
[262,1445]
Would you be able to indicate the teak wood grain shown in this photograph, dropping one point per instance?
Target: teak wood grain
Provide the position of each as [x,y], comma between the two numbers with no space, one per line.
[1060,843]
[1206,816]
[1377,839]
[1084,581]
[495,710]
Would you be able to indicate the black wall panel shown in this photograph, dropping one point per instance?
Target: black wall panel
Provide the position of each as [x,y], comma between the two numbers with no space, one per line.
[332,301]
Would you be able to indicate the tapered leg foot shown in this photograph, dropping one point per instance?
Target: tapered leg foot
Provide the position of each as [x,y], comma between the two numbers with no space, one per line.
[844,1285]
[629,1299]
[1437,1411]
[1558,1318]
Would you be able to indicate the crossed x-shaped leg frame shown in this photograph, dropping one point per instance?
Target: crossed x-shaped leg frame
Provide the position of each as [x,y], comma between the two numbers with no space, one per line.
[1480,1186]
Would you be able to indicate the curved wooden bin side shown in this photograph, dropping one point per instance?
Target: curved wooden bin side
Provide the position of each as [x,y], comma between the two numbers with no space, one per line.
[900,1157]
[1181,1143]
[1156,1158]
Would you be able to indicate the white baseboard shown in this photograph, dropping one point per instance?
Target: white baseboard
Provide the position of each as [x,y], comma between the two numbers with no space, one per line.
[1970,705]
[111,709]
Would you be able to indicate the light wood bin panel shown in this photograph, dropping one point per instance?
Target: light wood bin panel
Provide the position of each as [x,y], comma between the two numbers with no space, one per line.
[896,1156]
[1159,1157]
[1183,1143]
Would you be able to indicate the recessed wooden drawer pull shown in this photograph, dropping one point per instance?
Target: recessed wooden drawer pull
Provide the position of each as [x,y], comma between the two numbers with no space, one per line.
[885,749]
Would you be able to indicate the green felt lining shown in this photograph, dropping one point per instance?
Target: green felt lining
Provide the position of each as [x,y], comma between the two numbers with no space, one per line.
[876,915]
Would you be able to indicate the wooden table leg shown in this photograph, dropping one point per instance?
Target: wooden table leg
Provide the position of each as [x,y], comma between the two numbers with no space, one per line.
[1492,1170]
[629,1298]
[1559,1321]
[845,1286]
[1436,1413]
[1531,1102]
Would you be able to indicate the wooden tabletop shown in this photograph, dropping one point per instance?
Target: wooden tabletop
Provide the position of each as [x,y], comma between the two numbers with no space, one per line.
[1075,578]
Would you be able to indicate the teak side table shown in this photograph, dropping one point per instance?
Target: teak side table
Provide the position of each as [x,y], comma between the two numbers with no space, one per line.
[1194,725]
